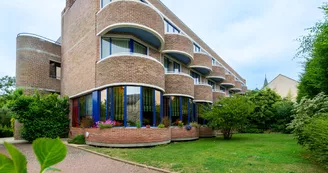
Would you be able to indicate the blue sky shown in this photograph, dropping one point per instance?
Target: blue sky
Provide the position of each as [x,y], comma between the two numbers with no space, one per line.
[255,37]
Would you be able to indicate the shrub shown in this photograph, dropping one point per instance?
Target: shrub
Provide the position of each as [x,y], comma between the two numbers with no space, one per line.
[161,126]
[188,127]
[6,131]
[78,139]
[180,124]
[5,116]
[316,139]
[105,126]
[138,124]
[194,124]
[44,116]
[166,121]
[283,115]
[87,122]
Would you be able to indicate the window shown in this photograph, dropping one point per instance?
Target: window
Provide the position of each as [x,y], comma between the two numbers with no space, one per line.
[55,70]
[213,61]
[118,105]
[196,77]
[148,106]
[176,67]
[111,46]
[103,105]
[132,105]
[222,89]
[185,106]
[170,28]
[85,111]
[158,96]
[196,48]
[212,84]
[75,117]
[175,116]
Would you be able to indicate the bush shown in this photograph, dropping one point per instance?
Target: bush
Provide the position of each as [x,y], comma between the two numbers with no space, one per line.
[166,121]
[5,116]
[105,126]
[6,131]
[44,116]
[138,124]
[78,139]
[161,126]
[180,124]
[283,115]
[194,124]
[316,139]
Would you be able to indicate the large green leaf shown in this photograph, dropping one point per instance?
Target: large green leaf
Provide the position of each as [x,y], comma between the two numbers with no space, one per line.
[18,158]
[6,164]
[49,151]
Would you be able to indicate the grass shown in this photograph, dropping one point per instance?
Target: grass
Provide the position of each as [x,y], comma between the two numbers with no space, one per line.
[244,153]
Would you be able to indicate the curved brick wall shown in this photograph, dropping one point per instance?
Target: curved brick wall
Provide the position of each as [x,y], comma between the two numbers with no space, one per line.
[126,137]
[33,56]
[121,12]
[181,134]
[201,59]
[178,42]
[206,132]
[179,84]
[130,69]
[203,92]
[217,71]
[229,79]
[243,89]
[217,95]
[238,85]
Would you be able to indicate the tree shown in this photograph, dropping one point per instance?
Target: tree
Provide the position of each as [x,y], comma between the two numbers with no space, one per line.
[314,48]
[7,84]
[283,115]
[229,114]
[264,113]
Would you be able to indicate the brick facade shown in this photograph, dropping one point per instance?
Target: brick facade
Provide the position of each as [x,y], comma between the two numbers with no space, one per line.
[238,85]
[179,84]
[201,59]
[203,92]
[217,95]
[229,79]
[206,132]
[218,71]
[178,42]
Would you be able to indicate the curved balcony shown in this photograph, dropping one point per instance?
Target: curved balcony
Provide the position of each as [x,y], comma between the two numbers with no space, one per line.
[130,69]
[217,74]
[237,87]
[179,47]
[145,23]
[202,63]
[243,89]
[217,95]
[179,84]
[203,93]
[229,81]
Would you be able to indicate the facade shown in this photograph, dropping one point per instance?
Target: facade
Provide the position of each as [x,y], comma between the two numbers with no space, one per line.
[129,61]
[284,86]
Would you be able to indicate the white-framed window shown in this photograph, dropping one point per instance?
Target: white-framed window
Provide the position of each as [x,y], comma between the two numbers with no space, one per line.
[196,48]
[170,28]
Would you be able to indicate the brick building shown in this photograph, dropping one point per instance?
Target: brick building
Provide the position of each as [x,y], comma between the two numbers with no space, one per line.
[128,61]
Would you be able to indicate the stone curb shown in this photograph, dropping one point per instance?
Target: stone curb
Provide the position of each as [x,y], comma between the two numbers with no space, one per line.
[118,159]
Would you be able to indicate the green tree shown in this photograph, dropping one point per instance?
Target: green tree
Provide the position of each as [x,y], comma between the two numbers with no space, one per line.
[264,113]
[229,114]
[7,84]
[314,48]
[283,115]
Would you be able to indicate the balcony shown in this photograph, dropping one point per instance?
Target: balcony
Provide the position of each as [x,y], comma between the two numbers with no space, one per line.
[237,87]
[217,74]
[202,63]
[145,23]
[179,84]
[217,94]
[203,93]
[179,47]
[229,81]
[130,69]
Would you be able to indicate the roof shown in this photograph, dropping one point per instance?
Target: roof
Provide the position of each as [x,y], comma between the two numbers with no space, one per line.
[282,76]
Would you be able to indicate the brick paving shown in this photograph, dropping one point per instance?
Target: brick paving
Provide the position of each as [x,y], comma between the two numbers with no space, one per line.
[79,161]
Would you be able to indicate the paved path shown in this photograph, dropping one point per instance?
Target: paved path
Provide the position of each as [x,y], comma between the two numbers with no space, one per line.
[79,161]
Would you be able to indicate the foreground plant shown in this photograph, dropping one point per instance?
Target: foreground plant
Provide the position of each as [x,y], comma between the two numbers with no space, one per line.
[48,152]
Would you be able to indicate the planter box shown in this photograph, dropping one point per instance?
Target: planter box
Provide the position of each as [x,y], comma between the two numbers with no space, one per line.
[125,137]
[181,134]
[206,132]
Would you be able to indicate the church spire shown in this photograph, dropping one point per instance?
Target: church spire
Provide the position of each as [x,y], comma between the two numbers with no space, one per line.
[265,82]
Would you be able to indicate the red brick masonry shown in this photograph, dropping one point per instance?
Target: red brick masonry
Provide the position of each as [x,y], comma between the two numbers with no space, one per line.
[181,134]
[206,132]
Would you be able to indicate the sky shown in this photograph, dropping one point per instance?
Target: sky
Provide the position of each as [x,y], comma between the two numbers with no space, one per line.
[255,37]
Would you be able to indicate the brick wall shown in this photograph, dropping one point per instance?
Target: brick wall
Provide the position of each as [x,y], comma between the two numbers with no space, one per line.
[181,132]
[130,12]
[217,96]
[179,84]
[202,60]
[203,92]
[217,71]
[237,84]
[206,132]
[229,79]
[130,69]
[178,42]
[33,56]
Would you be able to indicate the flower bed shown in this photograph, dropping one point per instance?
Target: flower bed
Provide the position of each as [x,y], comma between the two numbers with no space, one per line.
[182,134]
[206,132]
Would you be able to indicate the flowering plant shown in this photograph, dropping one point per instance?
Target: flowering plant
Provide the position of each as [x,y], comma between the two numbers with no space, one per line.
[180,123]
[108,123]
[188,127]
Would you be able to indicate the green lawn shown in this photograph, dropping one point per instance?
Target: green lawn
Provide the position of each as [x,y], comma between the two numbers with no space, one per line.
[244,153]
